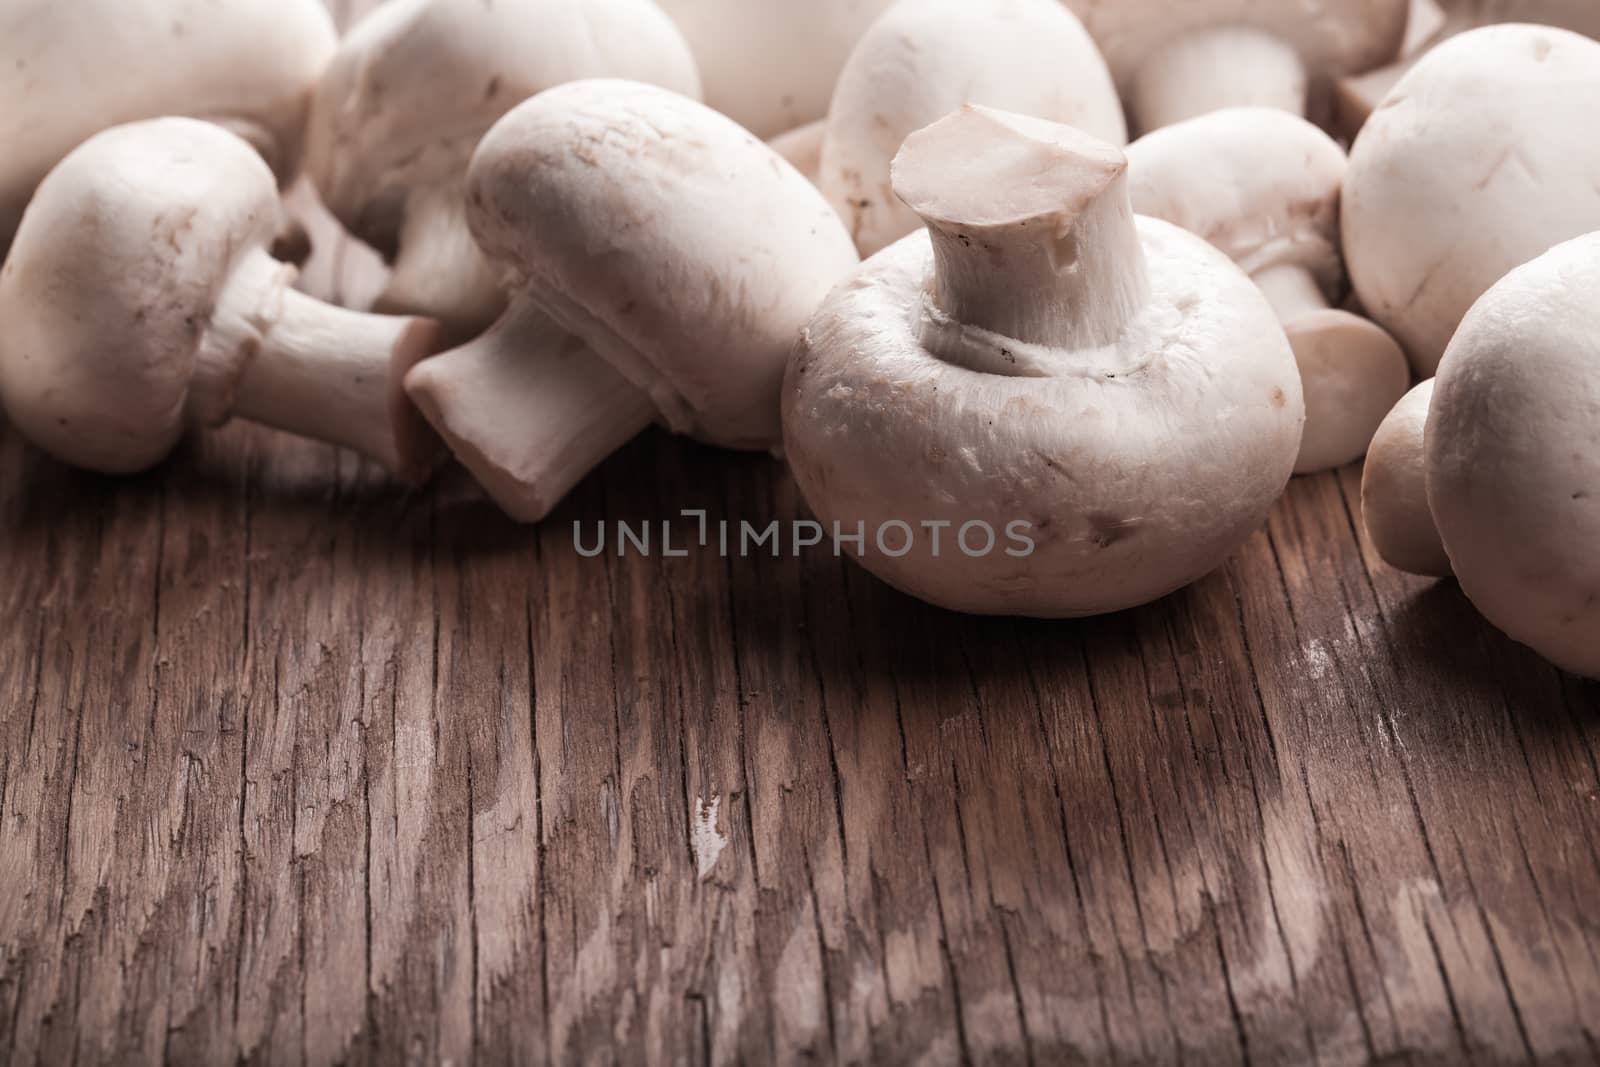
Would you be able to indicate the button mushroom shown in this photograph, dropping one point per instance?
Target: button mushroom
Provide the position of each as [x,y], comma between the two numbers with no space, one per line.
[923,59]
[770,65]
[139,298]
[1513,455]
[412,90]
[1176,61]
[1357,96]
[1263,186]
[71,69]
[802,147]
[1038,363]
[683,251]
[1394,490]
[1482,158]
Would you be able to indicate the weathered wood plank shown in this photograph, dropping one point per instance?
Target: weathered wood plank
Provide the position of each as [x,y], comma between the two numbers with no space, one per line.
[299,766]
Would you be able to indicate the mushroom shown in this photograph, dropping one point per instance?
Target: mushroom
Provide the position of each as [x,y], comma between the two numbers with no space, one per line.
[1356,97]
[1513,455]
[1394,490]
[770,65]
[71,69]
[1263,186]
[139,298]
[1176,61]
[802,147]
[1040,405]
[683,252]
[1482,158]
[413,89]
[923,59]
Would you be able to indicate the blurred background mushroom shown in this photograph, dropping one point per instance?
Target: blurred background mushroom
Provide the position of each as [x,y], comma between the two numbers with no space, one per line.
[770,65]
[71,69]
[416,85]
[923,59]
[1177,60]
[1263,186]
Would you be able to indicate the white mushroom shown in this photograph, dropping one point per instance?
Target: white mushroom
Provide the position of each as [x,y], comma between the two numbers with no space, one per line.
[1039,366]
[1394,490]
[1482,158]
[683,251]
[1513,448]
[1174,61]
[1358,96]
[70,68]
[139,298]
[802,147]
[770,65]
[413,89]
[1263,186]
[924,59]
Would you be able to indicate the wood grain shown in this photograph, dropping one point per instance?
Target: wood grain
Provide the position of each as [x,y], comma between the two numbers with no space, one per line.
[298,767]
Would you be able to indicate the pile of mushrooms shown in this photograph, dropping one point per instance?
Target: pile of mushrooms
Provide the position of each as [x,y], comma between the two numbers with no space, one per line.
[1100,366]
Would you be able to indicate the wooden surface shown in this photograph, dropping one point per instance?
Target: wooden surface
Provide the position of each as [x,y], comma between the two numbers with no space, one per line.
[297,767]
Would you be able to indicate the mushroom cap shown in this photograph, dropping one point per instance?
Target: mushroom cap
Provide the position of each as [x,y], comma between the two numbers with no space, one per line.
[146,219]
[1513,455]
[923,59]
[1332,36]
[1481,158]
[1353,374]
[1394,490]
[770,65]
[686,252]
[417,83]
[1135,483]
[1259,183]
[71,69]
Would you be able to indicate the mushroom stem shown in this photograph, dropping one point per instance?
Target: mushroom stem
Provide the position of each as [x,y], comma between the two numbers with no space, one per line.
[529,409]
[1292,290]
[276,356]
[440,271]
[1208,70]
[1036,253]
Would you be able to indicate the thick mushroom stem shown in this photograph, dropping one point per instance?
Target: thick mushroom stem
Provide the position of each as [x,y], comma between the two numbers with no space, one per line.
[276,356]
[440,271]
[1208,70]
[1036,253]
[1292,290]
[529,409]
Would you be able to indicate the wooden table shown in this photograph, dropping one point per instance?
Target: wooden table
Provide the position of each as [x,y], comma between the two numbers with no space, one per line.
[297,766]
